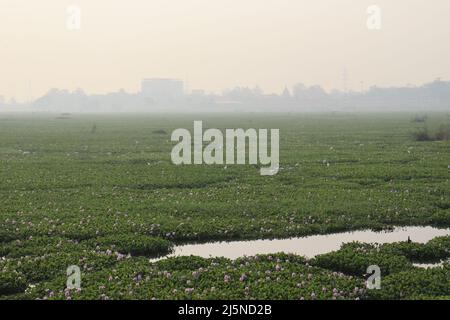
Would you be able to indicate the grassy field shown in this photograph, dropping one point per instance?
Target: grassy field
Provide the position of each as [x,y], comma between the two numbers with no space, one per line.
[101,192]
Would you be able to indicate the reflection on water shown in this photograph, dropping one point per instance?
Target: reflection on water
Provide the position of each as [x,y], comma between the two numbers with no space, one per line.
[429,265]
[307,246]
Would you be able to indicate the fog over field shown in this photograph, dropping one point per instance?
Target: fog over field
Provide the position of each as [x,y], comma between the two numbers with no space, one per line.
[231,151]
[286,55]
[433,96]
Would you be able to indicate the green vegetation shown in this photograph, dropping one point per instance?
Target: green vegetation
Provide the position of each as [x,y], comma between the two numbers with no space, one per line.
[109,199]
[442,134]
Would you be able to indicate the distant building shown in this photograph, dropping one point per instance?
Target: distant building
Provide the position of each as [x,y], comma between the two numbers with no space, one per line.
[162,90]
[286,94]
[198,92]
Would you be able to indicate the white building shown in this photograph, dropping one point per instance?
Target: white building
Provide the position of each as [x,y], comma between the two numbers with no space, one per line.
[162,89]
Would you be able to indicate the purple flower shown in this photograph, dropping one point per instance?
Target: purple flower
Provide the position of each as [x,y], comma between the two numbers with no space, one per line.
[120,256]
[189,290]
[226,278]
[243,278]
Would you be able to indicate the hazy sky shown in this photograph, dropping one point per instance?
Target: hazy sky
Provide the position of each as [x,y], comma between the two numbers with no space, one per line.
[217,44]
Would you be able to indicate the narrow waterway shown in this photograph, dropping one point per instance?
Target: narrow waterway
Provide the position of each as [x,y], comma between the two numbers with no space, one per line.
[307,246]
